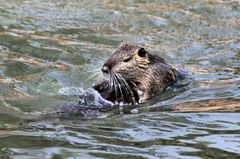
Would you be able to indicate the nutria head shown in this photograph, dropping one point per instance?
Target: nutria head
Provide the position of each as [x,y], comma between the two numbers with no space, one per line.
[128,62]
[130,72]
[125,69]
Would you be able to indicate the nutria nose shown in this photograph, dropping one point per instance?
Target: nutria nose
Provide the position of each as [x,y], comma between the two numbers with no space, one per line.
[105,69]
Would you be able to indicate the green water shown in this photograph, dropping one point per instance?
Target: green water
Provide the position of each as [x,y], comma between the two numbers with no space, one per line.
[53,47]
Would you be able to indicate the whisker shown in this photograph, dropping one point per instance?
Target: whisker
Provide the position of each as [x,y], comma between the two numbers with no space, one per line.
[99,78]
[111,83]
[125,83]
[133,84]
[92,71]
[119,86]
[91,77]
[127,87]
[122,83]
[115,86]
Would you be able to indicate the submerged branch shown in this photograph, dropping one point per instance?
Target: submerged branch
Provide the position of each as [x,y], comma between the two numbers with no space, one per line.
[213,105]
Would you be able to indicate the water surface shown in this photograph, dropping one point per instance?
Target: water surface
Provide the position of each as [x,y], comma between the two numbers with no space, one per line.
[49,49]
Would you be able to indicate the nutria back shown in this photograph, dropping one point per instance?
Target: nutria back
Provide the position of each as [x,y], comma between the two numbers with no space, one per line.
[132,74]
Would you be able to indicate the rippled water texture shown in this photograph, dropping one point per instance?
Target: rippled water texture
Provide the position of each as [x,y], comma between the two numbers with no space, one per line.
[50,51]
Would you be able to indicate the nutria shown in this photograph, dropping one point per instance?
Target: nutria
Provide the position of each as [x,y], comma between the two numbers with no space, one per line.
[132,74]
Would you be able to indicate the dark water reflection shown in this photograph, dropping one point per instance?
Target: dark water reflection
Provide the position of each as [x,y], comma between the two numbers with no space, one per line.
[51,48]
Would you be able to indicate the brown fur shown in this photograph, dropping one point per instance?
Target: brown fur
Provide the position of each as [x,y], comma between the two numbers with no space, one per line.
[133,74]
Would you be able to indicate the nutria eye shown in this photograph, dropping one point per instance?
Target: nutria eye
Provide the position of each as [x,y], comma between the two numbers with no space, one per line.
[128,59]
[142,52]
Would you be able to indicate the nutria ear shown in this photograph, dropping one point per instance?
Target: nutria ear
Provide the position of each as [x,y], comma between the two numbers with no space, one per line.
[142,52]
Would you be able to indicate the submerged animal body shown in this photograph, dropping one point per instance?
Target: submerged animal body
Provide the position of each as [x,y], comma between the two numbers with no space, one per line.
[132,74]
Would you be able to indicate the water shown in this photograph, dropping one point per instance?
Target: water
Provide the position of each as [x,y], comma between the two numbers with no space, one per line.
[51,48]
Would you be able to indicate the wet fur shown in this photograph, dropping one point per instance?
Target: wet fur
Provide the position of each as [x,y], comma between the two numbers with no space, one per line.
[135,75]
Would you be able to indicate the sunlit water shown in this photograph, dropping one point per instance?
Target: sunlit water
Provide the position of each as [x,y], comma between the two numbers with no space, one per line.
[50,50]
